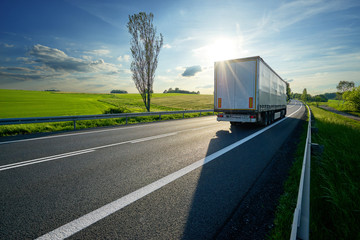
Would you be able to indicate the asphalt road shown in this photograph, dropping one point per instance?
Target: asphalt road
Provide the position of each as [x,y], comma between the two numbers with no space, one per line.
[177,179]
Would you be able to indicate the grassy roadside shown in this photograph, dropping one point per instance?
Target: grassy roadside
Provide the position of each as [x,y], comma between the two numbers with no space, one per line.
[11,130]
[341,106]
[335,178]
[335,181]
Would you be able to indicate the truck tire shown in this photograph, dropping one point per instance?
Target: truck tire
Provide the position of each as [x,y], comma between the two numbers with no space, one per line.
[265,119]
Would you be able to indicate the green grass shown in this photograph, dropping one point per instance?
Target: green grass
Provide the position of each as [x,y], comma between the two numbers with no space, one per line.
[341,106]
[19,103]
[335,181]
[335,178]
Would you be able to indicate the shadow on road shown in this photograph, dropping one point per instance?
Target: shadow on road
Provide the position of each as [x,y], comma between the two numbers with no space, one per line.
[220,187]
[226,182]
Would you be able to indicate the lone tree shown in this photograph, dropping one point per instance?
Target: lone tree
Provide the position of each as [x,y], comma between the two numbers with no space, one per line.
[145,49]
[304,95]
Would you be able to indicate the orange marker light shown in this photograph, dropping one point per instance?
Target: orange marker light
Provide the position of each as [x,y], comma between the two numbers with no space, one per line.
[251,105]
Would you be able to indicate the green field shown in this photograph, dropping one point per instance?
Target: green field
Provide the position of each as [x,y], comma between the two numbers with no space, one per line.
[22,104]
[19,103]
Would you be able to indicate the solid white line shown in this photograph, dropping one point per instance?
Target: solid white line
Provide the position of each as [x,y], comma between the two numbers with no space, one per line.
[83,133]
[85,221]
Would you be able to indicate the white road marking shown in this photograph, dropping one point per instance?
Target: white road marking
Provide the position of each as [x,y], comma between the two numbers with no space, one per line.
[44,159]
[88,132]
[69,154]
[85,221]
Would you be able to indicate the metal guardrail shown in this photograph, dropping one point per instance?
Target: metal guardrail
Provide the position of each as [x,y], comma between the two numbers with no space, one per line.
[10,121]
[301,220]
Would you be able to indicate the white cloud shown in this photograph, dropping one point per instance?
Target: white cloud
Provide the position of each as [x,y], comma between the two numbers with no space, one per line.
[50,65]
[56,60]
[9,45]
[290,13]
[167,46]
[125,58]
[99,52]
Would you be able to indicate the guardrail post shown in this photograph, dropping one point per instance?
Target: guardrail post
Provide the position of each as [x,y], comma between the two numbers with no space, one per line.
[74,124]
[126,120]
[160,117]
[200,114]
[183,115]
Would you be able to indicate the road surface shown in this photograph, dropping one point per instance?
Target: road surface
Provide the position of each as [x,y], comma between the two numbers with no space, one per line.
[177,179]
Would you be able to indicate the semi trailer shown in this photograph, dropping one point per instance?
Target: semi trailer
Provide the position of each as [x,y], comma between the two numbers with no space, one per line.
[247,90]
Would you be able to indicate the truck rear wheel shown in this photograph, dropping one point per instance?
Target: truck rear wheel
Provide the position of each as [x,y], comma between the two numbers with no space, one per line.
[265,118]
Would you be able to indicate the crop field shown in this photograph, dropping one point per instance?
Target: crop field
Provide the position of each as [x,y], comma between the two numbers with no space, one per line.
[22,104]
[18,103]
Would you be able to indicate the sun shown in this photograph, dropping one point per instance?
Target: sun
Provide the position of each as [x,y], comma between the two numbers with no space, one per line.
[222,49]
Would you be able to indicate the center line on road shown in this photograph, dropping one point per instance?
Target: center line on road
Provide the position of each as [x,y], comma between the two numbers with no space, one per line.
[43,159]
[85,221]
[69,154]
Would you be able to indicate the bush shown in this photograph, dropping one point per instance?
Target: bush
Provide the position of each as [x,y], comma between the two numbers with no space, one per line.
[353,97]
[117,110]
[118,91]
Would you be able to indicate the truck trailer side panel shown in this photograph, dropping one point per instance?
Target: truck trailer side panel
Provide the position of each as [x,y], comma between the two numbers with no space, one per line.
[272,89]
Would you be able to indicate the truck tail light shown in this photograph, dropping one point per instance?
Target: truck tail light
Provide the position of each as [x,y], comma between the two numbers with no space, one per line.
[252,116]
[220,115]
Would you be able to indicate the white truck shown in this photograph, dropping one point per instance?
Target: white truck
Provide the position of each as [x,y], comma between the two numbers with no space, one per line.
[247,90]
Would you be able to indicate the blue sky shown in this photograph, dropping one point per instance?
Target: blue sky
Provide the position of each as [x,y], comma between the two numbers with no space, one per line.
[83,45]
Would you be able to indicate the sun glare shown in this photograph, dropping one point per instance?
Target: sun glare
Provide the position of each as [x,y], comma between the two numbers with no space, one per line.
[222,49]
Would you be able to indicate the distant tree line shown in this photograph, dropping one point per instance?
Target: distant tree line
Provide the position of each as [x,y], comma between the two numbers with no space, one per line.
[118,91]
[51,90]
[317,98]
[346,92]
[177,90]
